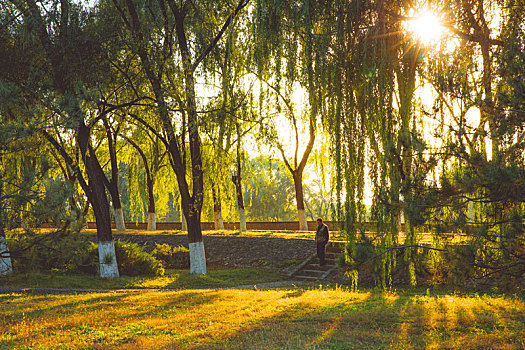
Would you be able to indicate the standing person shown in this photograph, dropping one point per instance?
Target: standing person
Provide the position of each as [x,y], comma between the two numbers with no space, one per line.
[321,238]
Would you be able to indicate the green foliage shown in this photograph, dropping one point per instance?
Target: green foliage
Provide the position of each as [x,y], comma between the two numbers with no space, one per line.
[270,191]
[172,257]
[134,261]
[65,251]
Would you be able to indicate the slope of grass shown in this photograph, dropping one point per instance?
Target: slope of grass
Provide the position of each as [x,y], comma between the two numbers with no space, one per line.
[261,319]
[173,279]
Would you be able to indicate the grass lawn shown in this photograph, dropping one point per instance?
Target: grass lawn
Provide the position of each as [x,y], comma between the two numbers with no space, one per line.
[317,318]
[173,279]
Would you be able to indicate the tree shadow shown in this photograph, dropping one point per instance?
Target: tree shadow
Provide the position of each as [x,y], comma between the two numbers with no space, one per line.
[380,321]
[129,308]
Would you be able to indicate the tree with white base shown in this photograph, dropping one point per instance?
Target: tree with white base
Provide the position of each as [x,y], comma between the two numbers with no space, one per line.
[175,49]
[5,258]
[6,266]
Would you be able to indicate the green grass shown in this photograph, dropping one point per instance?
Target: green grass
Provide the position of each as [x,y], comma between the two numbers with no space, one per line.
[173,279]
[319,318]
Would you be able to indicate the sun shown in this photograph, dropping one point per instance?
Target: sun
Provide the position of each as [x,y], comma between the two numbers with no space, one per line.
[426,26]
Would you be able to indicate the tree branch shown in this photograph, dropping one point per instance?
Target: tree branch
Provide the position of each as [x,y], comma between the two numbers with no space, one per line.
[240,6]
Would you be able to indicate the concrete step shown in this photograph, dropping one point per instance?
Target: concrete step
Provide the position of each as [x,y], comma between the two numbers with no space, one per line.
[310,269]
[310,278]
[318,272]
[317,267]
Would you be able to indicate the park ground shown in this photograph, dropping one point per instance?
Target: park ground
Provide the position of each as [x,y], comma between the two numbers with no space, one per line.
[247,308]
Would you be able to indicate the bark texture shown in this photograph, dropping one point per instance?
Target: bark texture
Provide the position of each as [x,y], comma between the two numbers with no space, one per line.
[152,222]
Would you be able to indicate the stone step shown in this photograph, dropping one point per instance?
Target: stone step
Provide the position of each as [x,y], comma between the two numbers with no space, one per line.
[311,278]
[319,272]
[328,262]
[317,267]
[310,269]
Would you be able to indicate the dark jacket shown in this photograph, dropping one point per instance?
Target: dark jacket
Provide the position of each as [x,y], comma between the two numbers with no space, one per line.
[321,234]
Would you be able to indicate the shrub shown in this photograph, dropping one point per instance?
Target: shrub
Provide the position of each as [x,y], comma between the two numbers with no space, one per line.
[66,251]
[134,261]
[172,257]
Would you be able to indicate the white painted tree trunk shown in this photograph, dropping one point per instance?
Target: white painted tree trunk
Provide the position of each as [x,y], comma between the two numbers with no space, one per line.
[197,258]
[218,222]
[184,224]
[242,220]
[303,224]
[152,222]
[108,259]
[5,262]
[119,220]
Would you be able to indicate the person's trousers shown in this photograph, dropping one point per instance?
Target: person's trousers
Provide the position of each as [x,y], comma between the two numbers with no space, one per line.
[320,252]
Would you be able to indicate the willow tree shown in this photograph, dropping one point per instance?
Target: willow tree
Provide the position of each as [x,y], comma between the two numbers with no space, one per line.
[359,70]
[152,156]
[159,34]
[233,115]
[384,99]
[289,50]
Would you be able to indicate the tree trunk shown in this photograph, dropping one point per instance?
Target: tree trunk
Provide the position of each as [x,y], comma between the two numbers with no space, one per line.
[242,219]
[96,193]
[6,266]
[196,245]
[152,218]
[299,196]
[237,180]
[112,185]
[152,221]
[240,200]
[107,259]
[119,219]
[218,223]
[106,249]
[183,222]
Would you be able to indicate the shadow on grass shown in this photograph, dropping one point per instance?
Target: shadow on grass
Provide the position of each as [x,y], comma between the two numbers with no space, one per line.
[383,321]
[41,303]
[268,319]
[100,313]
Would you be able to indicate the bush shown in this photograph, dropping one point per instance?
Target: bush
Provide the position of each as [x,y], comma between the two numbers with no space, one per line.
[134,261]
[65,251]
[172,257]
[73,252]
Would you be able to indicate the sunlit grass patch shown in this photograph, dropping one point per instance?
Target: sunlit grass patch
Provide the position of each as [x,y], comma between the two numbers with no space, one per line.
[297,318]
